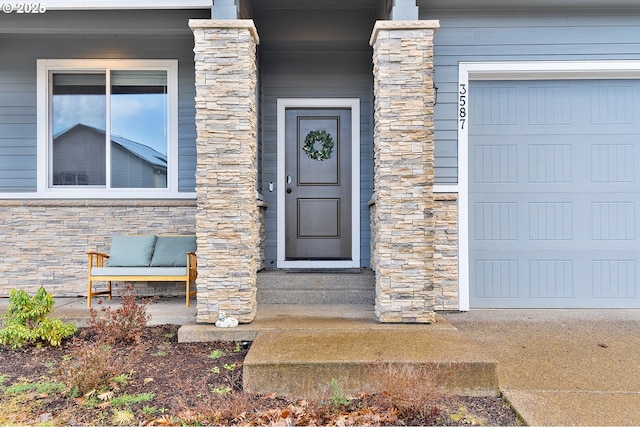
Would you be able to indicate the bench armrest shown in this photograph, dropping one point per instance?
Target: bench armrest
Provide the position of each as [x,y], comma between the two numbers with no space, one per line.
[97,259]
[192,265]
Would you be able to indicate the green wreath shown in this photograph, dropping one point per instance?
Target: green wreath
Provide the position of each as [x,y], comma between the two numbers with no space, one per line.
[323,138]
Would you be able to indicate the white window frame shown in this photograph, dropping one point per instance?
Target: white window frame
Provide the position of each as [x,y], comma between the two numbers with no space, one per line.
[44,69]
[127,4]
[513,70]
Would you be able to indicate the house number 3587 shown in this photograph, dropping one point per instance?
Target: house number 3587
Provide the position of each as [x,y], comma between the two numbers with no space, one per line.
[462,105]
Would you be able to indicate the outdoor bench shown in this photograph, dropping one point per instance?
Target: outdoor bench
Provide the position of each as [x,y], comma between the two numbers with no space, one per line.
[145,258]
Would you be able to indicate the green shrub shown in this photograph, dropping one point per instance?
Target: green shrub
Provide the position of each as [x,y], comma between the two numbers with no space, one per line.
[26,321]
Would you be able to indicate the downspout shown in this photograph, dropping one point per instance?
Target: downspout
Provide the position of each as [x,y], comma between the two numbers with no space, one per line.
[403,10]
[225,9]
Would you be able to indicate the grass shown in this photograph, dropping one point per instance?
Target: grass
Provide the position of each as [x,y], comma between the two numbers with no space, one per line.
[39,387]
[128,399]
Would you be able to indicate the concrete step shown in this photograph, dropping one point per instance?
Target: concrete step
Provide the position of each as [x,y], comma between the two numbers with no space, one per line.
[304,363]
[354,286]
[298,349]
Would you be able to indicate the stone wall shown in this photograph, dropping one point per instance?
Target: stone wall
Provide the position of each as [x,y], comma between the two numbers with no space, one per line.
[404,170]
[226,172]
[445,281]
[445,278]
[45,242]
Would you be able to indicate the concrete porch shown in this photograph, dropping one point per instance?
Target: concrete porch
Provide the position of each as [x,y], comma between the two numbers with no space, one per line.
[298,349]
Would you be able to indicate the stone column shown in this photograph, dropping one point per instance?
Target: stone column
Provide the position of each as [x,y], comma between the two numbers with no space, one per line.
[404,170]
[226,171]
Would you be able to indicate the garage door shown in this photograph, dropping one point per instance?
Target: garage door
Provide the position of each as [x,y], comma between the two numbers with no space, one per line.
[554,194]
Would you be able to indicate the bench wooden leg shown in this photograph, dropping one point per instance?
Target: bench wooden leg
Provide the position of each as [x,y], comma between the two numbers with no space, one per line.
[188,282]
[91,293]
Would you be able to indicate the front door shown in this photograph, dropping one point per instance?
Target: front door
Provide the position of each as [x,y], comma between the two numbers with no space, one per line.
[318,187]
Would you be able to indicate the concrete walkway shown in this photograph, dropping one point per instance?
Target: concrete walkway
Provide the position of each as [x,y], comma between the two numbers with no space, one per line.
[556,367]
[563,367]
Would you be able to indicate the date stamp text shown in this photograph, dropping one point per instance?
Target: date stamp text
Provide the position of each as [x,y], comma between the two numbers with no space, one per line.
[23,7]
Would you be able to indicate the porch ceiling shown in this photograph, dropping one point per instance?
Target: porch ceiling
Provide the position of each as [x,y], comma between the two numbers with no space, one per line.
[330,25]
[315,4]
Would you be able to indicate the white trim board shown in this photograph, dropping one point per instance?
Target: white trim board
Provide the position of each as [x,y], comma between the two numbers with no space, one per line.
[126,4]
[354,105]
[529,70]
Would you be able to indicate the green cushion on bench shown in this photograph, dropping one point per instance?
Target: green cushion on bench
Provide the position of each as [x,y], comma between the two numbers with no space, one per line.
[171,251]
[131,251]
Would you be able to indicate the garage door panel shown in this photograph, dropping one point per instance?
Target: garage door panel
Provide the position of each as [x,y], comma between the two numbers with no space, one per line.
[554,219]
[547,280]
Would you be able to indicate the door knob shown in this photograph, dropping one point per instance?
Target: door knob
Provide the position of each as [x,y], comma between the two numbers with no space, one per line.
[288,190]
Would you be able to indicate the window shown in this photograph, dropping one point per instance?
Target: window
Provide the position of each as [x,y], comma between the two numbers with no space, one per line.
[110,128]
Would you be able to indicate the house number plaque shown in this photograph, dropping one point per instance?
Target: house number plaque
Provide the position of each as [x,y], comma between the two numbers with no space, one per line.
[462,105]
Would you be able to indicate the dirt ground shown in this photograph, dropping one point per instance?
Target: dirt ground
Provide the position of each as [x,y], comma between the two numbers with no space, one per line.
[201,384]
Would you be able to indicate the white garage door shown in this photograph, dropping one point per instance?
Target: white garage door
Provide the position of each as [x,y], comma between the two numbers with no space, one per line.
[554,194]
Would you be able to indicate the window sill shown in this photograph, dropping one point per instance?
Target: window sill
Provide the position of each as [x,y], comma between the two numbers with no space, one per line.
[96,195]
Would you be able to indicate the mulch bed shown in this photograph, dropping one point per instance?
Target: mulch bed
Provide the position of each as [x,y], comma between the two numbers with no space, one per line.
[201,384]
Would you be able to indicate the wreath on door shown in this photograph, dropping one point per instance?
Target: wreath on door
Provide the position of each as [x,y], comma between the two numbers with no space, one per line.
[318,152]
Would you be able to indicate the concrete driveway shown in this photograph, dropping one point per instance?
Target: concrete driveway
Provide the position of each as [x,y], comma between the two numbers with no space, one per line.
[563,367]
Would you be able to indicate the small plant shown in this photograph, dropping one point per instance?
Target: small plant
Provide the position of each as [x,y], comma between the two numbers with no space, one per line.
[412,391]
[216,354]
[215,370]
[125,324]
[162,349]
[337,397]
[123,417]
[122,379]
[128,399]
[89,368]
[462,416]
[26,321]
[94,366]
[40,387]
[101,418]
[221,390]
[116,347]
[229,366]
[148,411]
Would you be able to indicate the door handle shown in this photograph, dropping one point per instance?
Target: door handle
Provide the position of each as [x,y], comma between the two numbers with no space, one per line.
[289,181]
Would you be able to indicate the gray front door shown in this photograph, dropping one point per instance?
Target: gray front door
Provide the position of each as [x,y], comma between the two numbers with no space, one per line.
[318,184]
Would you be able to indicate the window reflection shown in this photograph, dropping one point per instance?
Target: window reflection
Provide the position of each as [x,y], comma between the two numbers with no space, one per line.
[137,139]
[79,155]
[139,129]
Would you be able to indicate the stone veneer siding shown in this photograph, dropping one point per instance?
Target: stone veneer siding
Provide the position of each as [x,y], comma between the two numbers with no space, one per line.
[45,242]
[445,282]
[226,172]
[404,170]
